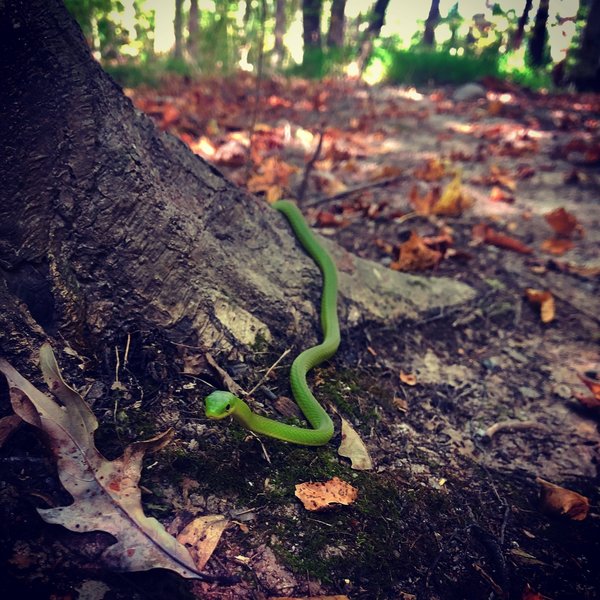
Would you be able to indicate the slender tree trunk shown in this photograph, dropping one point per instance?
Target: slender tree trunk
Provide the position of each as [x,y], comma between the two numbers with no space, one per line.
[539,36]
[280,23]
[521,24]
[376,21]
[335,35]
[193,30]
[586,72]
[178,28]
[431,23]
[311,20]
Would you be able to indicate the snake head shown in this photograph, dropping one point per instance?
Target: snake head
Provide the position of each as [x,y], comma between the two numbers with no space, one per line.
[219,404]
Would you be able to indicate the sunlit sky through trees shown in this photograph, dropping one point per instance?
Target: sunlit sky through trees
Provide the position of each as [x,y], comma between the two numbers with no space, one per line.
[403,19]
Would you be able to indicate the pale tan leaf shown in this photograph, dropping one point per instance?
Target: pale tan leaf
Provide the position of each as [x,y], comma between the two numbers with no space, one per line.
[106,496]
[321,495]
[8,425]
[353,447]
[201,537]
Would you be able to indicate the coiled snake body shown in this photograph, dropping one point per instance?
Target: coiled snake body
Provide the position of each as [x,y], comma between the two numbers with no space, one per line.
[221,404]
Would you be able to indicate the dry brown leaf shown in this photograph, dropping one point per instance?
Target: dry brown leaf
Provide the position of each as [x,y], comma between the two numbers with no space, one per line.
[530,594]
[556,500]
[424,203]
[415,255]
[106,496]
[433,170]
[337,597]
[353,447]
[557,246]
[591,381]
[8,425]
[201,537]
[564,223]
[545,300]
[322,495]
[486,233]
[408,378]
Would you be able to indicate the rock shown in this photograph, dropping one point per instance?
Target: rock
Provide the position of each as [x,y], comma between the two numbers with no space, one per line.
[468,91]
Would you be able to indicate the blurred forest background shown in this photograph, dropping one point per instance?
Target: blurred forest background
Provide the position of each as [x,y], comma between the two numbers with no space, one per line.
[537,43]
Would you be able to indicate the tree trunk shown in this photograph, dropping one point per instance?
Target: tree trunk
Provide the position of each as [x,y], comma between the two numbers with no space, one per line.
[538,54]
[335,35]
[280,23]
[311,21]
[521,24]
[376,21]
[431,23]
[109,227]
[178,28]
[586,72]
[193,30]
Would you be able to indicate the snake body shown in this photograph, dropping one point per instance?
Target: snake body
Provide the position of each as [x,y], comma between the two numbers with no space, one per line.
[221,404]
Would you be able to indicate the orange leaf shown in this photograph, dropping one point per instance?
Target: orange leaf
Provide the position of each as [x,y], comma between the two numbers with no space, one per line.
[590,379]
[556,246]
[487,234]
[433,170]
[408,378]
[416,256]
[563,222]
[556,500]
[545,301]
[322,495]
[422,203]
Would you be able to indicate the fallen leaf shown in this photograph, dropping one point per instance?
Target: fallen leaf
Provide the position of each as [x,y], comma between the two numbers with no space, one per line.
[556,500]
[8,425]
[423,203]
[415,255]
[105,493]
[323,495]
[353,447]
[592,382]
[546,302]
[433,170]
[530,594]
[408,378]
[201,537]
[564,223]
[487,234]
[557,246]
[497,194]
[453,200]
[337,597]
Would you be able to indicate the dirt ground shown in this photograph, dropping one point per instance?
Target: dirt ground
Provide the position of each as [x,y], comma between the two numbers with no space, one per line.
[461,409]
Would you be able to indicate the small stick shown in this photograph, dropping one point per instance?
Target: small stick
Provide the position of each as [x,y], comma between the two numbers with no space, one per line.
[352,190]
[511,425]
[308,168]
[269,370]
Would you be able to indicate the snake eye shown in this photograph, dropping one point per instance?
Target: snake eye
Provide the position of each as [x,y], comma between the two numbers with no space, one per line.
[228,407]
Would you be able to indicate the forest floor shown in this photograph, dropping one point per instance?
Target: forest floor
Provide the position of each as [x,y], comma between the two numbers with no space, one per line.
[462,411]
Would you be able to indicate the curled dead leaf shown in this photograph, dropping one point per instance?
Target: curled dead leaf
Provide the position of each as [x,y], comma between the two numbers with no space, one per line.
[453,200]
[564,223]
[415,255]
[487,234]
[556,500]
[353,447]
[201,537]
[557,246]
[323,495]
[545,300]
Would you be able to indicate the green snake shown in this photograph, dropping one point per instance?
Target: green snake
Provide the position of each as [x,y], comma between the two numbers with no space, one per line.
[221,404]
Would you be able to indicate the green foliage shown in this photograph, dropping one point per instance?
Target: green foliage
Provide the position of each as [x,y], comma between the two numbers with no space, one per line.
[318,63]
[420,66]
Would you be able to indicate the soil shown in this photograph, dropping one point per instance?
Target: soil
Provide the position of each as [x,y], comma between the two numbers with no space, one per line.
[461,409]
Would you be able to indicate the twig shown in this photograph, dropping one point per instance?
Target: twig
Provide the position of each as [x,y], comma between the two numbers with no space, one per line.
[352,190]
[264,450]
[511,425]
[127,345]
[228,382]
[269,370]
[309,166]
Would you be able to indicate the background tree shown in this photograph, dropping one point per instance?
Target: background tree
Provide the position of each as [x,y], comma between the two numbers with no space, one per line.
[193,30]
[538,40]
[311,22]
[586,70]
[178,29]
[517,39]
[376,21]
[279,32]
[335,34]
[431,23]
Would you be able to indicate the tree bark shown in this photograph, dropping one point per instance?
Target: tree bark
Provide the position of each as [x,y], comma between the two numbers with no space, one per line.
[178,29]
[335,34]
[376,21]
[279,31]
[193,30]
[521,24]
[109,227]
[431,23]
[311,21]
[586,73]
[539,36]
